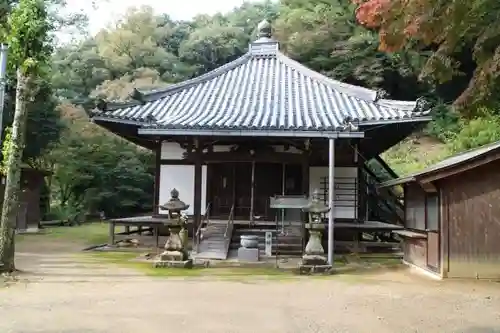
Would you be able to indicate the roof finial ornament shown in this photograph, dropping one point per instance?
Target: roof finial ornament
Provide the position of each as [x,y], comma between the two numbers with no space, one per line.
[265,29]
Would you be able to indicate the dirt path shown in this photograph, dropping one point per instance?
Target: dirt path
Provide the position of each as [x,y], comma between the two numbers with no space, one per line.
[58,294]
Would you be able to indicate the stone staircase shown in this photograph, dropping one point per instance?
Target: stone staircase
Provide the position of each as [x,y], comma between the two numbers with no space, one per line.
[289,244]
[213,244]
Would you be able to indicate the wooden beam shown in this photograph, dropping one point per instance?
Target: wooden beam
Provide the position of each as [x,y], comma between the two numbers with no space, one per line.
[175,162]
[429,187]
[385,166]
[270,157]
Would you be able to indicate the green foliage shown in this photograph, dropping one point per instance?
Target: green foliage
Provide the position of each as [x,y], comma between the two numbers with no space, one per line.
[44,125]
[98,173]
[29,34]
[213,46]
[476,132]
[445,123]
[408,157]
[6,149]
[325,36]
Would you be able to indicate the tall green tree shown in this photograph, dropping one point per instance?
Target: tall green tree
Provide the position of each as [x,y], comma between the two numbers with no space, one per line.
[29,28]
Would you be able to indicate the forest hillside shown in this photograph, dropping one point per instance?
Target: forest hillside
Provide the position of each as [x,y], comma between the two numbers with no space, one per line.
[447,52]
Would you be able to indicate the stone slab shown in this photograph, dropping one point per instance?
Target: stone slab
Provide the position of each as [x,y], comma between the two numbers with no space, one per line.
[315,269]
[249,255]
[173,264]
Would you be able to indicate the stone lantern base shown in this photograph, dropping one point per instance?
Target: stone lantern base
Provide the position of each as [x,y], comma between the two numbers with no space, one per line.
[175,254]
[314,260]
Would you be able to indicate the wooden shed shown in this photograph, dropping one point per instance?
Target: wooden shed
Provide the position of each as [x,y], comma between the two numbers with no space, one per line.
[29,214]
[452,215]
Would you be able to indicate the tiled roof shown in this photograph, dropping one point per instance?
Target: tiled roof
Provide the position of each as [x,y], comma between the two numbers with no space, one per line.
[449,162]
[262,90]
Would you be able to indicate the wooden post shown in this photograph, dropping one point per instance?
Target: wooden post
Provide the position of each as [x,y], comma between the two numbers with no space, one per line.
[283,191]
[305,169]
[156,198]
[111,235]
[359,160]
[331,199]
[360,195]
[156,232]
[197,187]
[305,188]
[252,192]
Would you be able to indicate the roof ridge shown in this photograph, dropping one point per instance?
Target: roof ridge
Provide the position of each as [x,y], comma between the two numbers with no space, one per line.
[202,78]
[348,89]
[160,93]
[398,103]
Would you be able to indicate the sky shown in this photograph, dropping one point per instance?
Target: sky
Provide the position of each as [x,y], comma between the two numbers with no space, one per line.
[108,11]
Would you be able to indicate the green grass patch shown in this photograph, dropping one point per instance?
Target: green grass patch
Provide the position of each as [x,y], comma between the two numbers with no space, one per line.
[240,274]
[94,233]
[126,259]
[408,157]
[350,269]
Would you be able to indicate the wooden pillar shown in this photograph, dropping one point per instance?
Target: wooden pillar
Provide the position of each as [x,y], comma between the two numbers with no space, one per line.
[156,198]
[252,192]
[360,195]
[305,169]
[111,235]
[197,186]
[361,188]
[331,199]
[305,187]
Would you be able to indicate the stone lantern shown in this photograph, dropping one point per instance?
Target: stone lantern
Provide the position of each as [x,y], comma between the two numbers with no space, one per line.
[175,253]
[314,259]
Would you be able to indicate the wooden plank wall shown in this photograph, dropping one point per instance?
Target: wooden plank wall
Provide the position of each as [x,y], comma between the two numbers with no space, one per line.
[472,222]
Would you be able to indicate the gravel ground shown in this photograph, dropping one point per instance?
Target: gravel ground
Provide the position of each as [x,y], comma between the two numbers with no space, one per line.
[58,294]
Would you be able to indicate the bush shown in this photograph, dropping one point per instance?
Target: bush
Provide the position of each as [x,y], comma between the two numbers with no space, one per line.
[479,131]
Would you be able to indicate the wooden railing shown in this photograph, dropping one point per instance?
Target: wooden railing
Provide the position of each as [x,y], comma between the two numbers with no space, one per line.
[230,223]
[388,200]
[206,219]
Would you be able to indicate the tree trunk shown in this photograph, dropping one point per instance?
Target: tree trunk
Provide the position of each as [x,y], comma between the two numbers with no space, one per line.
[13,176]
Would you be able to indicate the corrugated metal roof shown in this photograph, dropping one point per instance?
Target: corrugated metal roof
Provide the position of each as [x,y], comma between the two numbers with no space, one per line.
[262,90]
[449,162]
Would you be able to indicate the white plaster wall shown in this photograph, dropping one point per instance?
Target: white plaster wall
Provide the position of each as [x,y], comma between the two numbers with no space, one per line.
[181,177]
[171,151]
[315,175]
